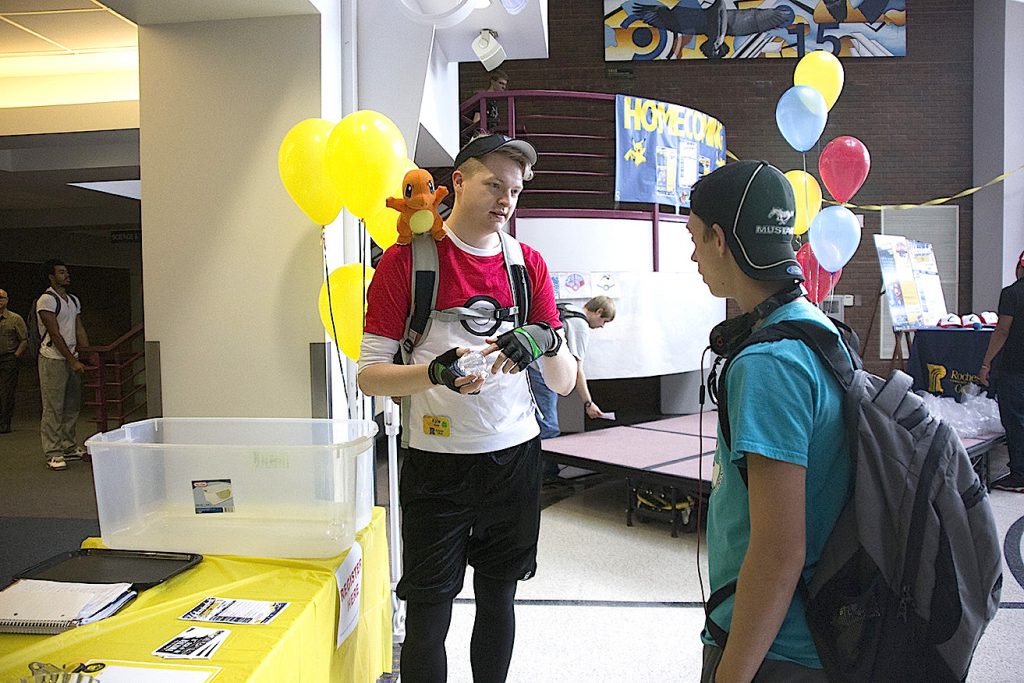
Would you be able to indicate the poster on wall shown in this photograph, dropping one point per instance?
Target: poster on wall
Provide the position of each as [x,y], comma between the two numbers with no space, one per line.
[662,149]
[638,30]
[571,285]
[899,278]
[929,285]
[576,285]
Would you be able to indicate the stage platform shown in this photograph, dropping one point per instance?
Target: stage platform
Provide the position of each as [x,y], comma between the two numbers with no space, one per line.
[671,459]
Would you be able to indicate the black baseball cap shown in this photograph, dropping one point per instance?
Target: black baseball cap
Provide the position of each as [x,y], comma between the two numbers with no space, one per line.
[753,203]
[485,144]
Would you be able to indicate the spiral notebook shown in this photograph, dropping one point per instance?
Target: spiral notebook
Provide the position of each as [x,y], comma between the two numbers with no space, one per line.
[47,607]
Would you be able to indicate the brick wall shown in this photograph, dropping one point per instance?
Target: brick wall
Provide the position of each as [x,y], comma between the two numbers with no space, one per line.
[914,114]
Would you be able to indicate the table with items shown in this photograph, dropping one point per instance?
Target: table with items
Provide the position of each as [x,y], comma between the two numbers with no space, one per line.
[298,642]
[944,360]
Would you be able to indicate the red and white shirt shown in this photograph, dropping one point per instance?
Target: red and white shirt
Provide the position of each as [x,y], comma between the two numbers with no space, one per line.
[440,420]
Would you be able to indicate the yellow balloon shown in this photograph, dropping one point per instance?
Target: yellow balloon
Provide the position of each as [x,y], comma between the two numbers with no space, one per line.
[807,193]
[383,227]
[300,161]
[383,224]
[366,158]
[822,71]
[346,303]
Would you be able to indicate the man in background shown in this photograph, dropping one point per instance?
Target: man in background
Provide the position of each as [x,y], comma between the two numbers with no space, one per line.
[1007,346]
[577,323]
[61,334]
[13,342]
[497,83]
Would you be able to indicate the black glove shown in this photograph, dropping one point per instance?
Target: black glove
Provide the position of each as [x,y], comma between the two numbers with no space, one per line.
[526,344]
[444,370]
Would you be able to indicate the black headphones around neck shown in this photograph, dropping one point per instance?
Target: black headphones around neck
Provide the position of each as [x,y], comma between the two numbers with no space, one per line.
[727,335]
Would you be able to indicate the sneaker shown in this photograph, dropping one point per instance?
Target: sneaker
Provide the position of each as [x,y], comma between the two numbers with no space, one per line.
[76,453]
[1011,482]
[57,463]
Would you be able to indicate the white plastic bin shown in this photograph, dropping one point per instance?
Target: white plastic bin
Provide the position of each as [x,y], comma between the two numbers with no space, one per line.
[230,486]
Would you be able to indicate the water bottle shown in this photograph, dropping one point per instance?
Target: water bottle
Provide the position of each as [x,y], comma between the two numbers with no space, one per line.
[473,363]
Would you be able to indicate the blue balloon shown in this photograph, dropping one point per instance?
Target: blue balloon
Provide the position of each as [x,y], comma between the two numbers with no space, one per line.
[801,114]
[834,236]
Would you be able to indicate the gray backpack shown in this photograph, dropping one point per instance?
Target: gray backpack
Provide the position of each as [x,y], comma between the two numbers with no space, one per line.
[912,572]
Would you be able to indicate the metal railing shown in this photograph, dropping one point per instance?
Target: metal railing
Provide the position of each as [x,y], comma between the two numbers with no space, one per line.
[116,378]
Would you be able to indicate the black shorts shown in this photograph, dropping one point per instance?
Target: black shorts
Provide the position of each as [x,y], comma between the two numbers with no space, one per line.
[481,508]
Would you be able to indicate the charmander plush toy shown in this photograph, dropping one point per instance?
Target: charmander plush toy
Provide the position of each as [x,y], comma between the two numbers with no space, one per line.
[418,206]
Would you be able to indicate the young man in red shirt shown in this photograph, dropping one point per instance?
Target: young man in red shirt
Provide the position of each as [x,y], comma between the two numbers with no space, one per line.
[470,481]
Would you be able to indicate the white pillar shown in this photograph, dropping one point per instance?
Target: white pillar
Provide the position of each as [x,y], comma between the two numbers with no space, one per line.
[998,147]
[232,267]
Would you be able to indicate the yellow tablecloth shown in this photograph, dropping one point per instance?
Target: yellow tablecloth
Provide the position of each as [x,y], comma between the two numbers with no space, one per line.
[299,645]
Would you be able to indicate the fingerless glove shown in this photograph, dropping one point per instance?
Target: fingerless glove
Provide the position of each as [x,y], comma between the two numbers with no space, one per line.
[525,344]
[444,370]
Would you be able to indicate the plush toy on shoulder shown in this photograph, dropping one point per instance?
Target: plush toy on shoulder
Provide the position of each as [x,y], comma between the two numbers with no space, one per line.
[418,206]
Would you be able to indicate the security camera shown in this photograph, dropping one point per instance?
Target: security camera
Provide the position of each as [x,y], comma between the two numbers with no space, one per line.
[488,50]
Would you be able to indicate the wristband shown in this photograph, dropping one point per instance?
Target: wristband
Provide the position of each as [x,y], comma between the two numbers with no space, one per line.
[587,404]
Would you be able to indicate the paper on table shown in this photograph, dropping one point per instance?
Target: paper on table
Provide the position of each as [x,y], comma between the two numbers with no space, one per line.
[153,672]
[234,611]
[349,577]
[195,642]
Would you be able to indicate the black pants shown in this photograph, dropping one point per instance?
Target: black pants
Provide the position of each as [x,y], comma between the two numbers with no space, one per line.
[8,387]
[482,509]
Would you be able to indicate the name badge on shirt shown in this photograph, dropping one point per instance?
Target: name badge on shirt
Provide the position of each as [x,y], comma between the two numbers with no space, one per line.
[434,425]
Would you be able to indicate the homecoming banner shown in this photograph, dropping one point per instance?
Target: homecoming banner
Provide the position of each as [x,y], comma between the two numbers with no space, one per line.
[745,29]
[662,149]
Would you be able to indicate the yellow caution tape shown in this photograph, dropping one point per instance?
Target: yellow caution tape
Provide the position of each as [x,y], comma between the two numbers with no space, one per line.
[930,202]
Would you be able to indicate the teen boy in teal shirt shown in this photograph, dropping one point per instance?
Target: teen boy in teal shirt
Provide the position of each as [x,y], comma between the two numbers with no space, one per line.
[777,492]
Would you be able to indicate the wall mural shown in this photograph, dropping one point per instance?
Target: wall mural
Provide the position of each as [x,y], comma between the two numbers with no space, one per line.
[737,29]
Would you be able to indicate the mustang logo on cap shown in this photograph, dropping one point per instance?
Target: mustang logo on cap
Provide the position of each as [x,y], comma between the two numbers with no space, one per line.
[781,216]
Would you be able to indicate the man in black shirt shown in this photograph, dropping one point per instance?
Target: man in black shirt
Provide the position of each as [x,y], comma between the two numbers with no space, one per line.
[1007,346]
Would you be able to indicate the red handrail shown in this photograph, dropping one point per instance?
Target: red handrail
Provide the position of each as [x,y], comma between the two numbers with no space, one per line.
[117,377]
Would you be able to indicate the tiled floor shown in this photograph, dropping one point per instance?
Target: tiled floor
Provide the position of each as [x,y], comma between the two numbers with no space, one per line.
[610,603]
[617,604]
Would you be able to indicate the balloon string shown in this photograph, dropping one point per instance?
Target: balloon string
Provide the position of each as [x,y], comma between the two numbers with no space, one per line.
[813,277]
[334,329]
[807,205]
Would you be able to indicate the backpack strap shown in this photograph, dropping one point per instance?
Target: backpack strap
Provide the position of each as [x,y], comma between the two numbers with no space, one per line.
[423,297]
[46,333]
[565,313]
[839,358]
[423,293]
[424,282]
[518,278]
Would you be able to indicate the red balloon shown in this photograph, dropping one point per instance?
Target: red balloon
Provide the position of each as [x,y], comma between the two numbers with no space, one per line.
[817,281]
[844,164]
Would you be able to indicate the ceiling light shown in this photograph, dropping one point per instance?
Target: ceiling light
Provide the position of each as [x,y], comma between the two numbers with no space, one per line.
[446,18]
[514,6]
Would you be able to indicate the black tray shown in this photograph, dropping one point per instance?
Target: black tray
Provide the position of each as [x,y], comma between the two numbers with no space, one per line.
[141,568]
